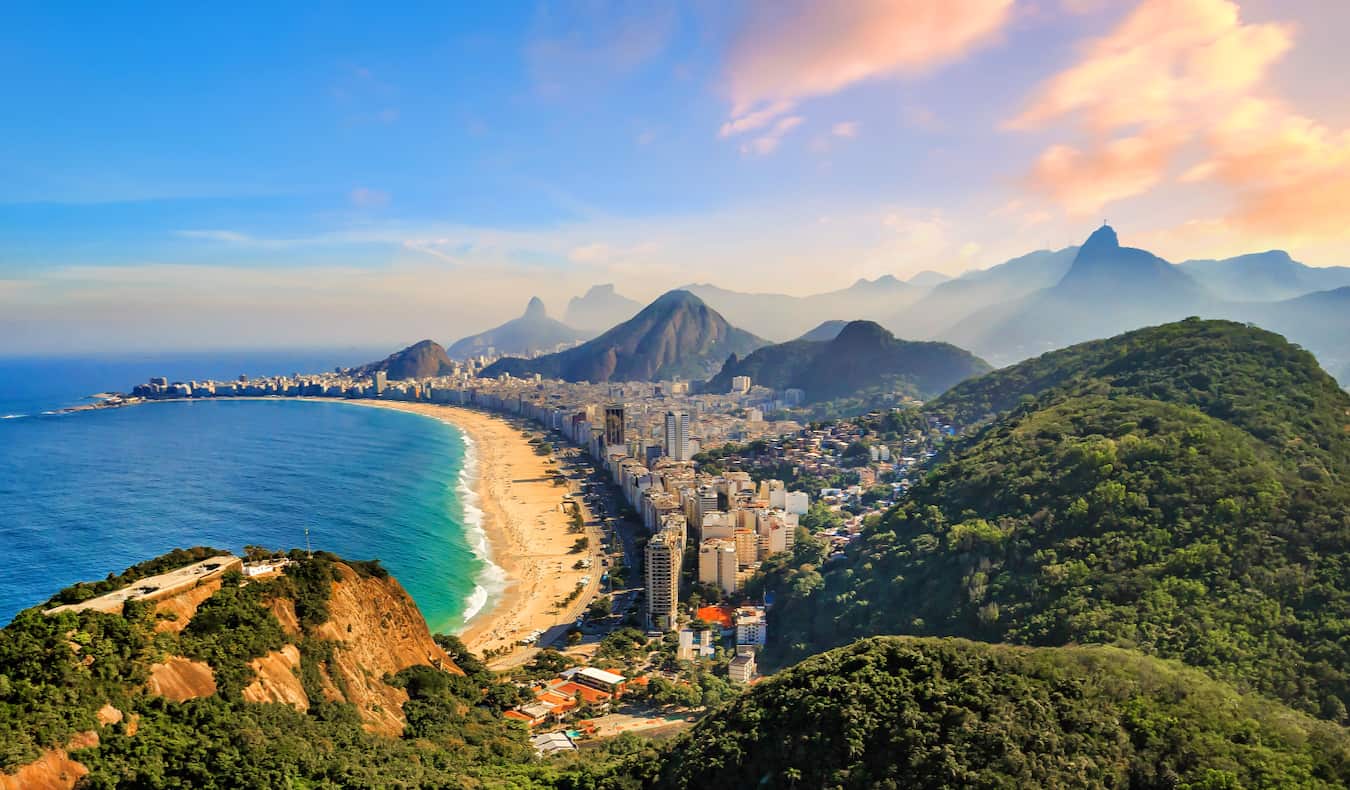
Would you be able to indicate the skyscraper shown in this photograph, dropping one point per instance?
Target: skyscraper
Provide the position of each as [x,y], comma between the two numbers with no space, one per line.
[677,435]
[381,381]
[614,425]
[664,555]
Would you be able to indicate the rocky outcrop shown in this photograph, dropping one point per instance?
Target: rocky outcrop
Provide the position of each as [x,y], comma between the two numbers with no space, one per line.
[54,770]
[175,612]
[180,679]
[277,679]
[377,631]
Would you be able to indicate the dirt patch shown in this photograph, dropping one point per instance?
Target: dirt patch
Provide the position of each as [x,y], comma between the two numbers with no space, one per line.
[54,770]
[180,679]
[276,679]
[183,606]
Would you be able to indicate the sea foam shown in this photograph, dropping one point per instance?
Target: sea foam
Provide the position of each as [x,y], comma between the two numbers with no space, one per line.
[491,579]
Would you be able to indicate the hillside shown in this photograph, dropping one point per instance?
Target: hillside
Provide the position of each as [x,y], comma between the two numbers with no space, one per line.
[861,356]
[532,332]
[420,360]
[1179,490]
[1264,277]
[180,692]
[825,330]
[675,336]
[904,712]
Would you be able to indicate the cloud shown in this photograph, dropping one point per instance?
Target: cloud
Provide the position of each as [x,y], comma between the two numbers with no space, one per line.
[230,236]
[1084,181]
[1175,71]
[768,143]
[790,50]
[1167,60]
[754,120]
[848,129]
[365,197]
[580,46]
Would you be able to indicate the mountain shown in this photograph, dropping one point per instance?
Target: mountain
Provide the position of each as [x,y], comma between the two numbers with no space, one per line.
[782,316]
[928,279]
[862,355]
[600,308]
[675,336]
[826,330]
[975,294]
[1182,490]
[1107,290]
[927,713]
[532,332]
[1318,321]
[1264,277]
[418,361]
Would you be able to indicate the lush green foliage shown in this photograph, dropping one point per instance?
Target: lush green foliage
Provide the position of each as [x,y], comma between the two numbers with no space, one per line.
[905,712]
[229,629]
[177,558]
[1091,513]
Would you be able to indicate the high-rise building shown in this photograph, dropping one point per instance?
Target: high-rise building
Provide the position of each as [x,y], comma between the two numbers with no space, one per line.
[614,425]
[717,564]
[381,381]
[740,384]
[664,555]
[677,435]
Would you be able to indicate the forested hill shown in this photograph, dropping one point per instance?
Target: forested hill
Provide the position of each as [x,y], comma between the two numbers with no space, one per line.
[905,712]
[1253,379]
[861,355]
[1178,490]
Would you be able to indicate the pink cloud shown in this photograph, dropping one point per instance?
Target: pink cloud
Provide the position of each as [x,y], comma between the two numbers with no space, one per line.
[791,50]
[768,143]
[1084,181]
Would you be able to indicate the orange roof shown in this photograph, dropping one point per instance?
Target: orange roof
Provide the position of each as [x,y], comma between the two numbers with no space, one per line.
[585,692]
[515,714]
[715,614]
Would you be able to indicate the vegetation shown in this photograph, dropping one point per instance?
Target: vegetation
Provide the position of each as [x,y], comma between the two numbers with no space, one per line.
[905,712]
[849,366]
[1195,515]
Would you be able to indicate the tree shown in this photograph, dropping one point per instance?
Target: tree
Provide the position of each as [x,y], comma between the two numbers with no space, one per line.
[600,608]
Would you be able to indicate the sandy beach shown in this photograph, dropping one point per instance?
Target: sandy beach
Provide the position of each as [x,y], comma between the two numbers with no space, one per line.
[526,527]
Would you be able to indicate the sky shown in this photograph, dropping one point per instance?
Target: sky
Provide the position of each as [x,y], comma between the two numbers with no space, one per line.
[181,176]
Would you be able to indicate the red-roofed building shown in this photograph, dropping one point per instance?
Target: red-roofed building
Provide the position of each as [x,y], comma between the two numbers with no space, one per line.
[717,615]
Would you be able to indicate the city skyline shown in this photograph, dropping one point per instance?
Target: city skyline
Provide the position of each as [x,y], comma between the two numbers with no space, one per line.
[286,177]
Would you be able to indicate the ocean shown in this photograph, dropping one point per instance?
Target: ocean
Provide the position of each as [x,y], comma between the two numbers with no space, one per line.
[86,494]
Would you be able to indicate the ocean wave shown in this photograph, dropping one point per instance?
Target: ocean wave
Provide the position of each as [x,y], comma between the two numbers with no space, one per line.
[492,578]
[12,416]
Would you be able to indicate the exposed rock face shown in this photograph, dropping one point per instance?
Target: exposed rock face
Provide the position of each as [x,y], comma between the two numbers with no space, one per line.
[182,606]
[54,770]
[418,361]
[378,631]
[277,679]
[180,679]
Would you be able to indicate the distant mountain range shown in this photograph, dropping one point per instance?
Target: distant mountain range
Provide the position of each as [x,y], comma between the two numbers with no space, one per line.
[861,355]
[532,332]
[420,360]
[784,317]
[1264,277]
[675,336]
[600,308]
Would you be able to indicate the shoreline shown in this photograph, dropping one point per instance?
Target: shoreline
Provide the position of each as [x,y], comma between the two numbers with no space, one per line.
[522,524]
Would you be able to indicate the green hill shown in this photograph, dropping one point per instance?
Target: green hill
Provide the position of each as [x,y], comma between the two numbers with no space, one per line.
[862,355]
[421,360]
[904,712]
[1177,490]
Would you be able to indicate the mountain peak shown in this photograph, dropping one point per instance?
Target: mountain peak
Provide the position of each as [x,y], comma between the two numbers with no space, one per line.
[677,298]
[1103,238]
[862,331]
[536,309]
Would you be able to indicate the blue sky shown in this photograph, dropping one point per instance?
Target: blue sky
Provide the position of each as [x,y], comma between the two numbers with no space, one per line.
[272,174]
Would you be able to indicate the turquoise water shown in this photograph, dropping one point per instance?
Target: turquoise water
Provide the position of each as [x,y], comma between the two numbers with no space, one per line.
[87,494]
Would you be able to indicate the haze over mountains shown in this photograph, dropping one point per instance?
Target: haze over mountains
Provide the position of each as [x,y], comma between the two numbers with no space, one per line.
[675,336]
[532,332]
[861,355]
[600,308]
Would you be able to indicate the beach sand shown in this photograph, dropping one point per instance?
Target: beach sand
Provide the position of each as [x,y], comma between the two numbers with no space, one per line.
[526,526]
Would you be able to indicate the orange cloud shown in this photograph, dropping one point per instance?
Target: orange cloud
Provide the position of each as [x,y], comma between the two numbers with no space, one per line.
[793,49]
[1291,173]
[1084,181]
[1165,61]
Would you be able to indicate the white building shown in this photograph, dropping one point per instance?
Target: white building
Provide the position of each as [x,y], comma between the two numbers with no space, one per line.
[740,385]
[677,435]
[664,555]
[742,668]
[717,564]
[751,626]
